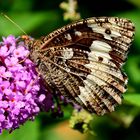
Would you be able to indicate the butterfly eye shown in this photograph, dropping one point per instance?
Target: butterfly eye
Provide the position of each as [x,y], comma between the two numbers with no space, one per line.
[108,31]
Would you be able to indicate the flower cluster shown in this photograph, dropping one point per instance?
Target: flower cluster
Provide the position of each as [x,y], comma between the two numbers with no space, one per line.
[81,121]
[53,102]
[23,94]
[19,85]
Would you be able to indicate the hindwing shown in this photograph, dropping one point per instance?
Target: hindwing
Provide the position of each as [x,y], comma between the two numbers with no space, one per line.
[83,61]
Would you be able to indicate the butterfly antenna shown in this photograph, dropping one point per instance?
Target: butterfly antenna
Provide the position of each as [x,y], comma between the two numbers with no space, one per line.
[14,23]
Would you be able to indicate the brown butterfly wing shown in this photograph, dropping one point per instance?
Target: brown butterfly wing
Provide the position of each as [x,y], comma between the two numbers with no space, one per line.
[83,61]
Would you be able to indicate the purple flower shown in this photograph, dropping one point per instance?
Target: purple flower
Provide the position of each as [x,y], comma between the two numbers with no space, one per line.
[19,85]
[52,102]
[23,94]
[8,45]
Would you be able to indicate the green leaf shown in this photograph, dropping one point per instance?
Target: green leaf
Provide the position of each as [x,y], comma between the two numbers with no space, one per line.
[29,131]
[133,98]
[29,22]
[135,2]
[133,69]
[19,5]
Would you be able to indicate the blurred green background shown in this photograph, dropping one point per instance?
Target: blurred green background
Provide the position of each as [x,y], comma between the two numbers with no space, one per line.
[38,18]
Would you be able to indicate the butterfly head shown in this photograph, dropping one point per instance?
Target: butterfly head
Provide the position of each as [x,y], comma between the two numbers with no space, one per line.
[28,40]
[30,44]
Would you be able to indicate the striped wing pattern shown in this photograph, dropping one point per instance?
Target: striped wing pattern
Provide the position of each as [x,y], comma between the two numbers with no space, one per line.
[83,61]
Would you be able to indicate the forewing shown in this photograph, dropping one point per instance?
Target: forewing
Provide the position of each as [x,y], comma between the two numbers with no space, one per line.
[83,61]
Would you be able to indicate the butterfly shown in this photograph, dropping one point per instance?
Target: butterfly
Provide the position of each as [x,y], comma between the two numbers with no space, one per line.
[83,61]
